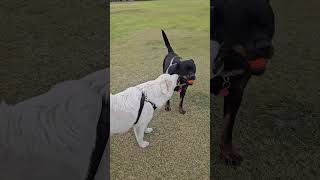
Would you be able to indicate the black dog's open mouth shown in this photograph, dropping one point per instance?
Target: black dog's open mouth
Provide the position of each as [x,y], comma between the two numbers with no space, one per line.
[189,81]
[182,81]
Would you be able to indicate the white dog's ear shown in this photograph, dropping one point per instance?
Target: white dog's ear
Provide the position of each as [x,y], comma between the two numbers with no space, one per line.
[165,86]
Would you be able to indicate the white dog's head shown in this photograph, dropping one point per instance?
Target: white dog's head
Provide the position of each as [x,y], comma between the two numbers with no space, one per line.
[168,83]
[160,90]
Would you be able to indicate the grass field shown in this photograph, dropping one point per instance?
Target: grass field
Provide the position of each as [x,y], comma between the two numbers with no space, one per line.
[43,43]
[46,42]
[180,143]
[277,130]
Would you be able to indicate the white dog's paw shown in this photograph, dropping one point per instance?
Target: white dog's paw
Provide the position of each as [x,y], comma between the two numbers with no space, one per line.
[144,144]
[148,130]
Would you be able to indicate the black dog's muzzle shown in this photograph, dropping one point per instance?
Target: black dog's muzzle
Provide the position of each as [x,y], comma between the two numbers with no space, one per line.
[186,79]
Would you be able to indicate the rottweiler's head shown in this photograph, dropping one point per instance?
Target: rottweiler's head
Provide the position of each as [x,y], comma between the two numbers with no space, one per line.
[247,27]
[258,47]
[186,70]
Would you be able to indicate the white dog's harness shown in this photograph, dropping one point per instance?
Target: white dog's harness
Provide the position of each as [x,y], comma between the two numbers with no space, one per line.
[142,100]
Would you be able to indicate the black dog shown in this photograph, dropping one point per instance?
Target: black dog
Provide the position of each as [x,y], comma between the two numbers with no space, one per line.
[186,69]
[244,30]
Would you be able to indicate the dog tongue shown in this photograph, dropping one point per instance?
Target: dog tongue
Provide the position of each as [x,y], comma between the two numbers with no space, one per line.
[224,92]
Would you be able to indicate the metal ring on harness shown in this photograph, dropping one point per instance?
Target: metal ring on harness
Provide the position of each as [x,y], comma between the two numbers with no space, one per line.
[226,82]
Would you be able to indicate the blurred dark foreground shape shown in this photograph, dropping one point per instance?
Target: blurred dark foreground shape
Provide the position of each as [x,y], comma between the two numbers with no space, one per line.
[53,135]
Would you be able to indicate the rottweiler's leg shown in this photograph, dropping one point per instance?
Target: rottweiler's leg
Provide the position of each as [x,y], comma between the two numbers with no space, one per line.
[167,107]
[231,105]
[182,94]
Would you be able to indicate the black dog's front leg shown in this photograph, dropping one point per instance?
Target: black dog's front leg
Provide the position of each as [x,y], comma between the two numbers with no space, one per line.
[167,107]
[231,105]
[182,94]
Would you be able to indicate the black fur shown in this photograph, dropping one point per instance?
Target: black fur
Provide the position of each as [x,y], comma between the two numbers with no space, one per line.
[248,24]
[186,69]
[102,136]
[166,41]
[244,29]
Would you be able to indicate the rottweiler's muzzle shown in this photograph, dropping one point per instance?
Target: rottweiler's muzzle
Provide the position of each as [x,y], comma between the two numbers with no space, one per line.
[256,57]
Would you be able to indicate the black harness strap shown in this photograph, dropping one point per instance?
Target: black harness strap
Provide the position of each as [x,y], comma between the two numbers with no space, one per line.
[153,105]
[142,100]
[102,137]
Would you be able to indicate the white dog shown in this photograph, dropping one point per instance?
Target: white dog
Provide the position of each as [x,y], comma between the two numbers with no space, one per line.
[135,106]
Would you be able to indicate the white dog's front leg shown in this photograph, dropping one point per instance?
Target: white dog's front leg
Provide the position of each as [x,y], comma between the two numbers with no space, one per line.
[139,132]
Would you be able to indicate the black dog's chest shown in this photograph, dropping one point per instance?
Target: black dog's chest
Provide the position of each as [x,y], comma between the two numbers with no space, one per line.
[232,61]
[181,88]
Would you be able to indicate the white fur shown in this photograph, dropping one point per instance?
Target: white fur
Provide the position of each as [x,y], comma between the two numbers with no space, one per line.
[54,131]
[124,106]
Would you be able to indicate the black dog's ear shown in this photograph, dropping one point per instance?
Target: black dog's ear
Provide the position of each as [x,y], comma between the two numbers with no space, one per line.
[174,69]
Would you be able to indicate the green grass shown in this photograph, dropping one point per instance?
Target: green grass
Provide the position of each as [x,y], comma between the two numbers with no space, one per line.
[180,143]
[46,42]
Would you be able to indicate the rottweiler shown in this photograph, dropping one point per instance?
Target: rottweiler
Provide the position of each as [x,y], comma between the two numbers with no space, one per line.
[186,69]
[241,44]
